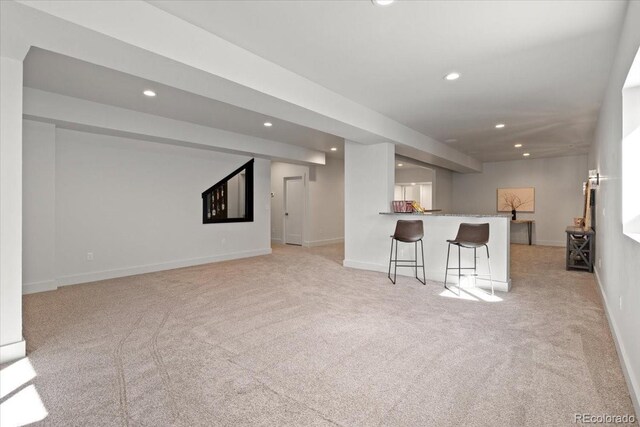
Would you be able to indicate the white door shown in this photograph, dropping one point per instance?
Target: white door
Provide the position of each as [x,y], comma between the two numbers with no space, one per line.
[293,210]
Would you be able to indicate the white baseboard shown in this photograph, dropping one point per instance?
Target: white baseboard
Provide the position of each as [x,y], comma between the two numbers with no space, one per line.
[311,243]
[550,243]
[314,243]
[13,351]
[360,265]
[32,288]
[434,275]
[150,268]
[627,368]
[560,243]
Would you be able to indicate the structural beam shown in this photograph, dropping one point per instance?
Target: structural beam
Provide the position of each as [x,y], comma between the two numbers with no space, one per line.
[158,46]
[79,114]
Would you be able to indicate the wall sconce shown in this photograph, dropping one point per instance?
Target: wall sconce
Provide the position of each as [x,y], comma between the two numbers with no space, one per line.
[594,178]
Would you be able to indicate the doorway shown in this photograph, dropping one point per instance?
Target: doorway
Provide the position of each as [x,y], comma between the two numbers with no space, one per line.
[293,210]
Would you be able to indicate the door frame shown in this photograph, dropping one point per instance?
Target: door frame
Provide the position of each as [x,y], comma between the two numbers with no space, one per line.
[302,178]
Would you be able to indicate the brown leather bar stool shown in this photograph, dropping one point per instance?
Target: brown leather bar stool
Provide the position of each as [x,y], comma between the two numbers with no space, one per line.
[407,232]
[471,236]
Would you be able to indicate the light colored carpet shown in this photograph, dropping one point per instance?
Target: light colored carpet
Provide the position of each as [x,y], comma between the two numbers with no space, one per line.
[295,339]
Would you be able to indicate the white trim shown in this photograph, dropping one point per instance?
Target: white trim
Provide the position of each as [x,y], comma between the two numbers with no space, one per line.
[627,367]
[13,351]
[556,243]
[561,243]
[314,243]
[432,275]
[360,265]
[141,269]
[32,288]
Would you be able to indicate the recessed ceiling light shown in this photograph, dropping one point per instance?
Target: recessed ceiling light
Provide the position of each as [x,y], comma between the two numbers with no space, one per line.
[499,125]
[526,154]
[452,76]
[451,140]
[334,149]
[382,2]
[400,164]
[268,124]
[413,183]
[518,145]
[149,93]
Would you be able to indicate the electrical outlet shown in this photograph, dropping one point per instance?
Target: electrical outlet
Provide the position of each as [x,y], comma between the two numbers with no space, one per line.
[620,302]
[89,256]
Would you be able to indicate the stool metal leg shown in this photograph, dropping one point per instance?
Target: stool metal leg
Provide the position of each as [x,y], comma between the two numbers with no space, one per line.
[395,268]
[390,258]
[424,275]
[475,268]
[489,264]
[459,273]
[415,253]
[446,271]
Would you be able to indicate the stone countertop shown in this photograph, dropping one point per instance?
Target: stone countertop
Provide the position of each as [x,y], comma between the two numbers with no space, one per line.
[436,213]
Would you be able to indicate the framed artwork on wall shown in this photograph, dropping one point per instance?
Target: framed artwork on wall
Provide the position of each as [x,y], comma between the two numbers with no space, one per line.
[522,199]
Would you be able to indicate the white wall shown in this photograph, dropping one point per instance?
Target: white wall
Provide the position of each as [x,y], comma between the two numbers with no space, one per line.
[39,186]
[137,206]
[324,201]
[558,194]
[406,175]
[618,272]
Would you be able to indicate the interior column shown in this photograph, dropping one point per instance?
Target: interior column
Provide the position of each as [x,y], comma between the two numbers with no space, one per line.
[12,345]
[369,176]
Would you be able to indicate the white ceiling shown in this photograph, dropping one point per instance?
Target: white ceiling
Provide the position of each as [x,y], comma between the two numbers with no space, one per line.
[538,66]
[68,76]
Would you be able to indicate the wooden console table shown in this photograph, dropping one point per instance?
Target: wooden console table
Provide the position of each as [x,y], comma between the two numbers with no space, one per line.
[580,248]
[529,223]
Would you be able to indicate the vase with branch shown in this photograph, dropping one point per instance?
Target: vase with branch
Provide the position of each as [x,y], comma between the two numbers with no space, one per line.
[511,200]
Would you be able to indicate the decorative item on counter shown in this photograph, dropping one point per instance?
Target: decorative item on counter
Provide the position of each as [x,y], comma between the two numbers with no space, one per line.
[578,222]
[402,206]
[416,207]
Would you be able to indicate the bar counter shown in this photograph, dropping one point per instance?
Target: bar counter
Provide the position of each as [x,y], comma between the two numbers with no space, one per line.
[438,227]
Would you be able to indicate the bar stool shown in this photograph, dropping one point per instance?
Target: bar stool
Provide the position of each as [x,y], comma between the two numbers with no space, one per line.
[407,232]
[470,236]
